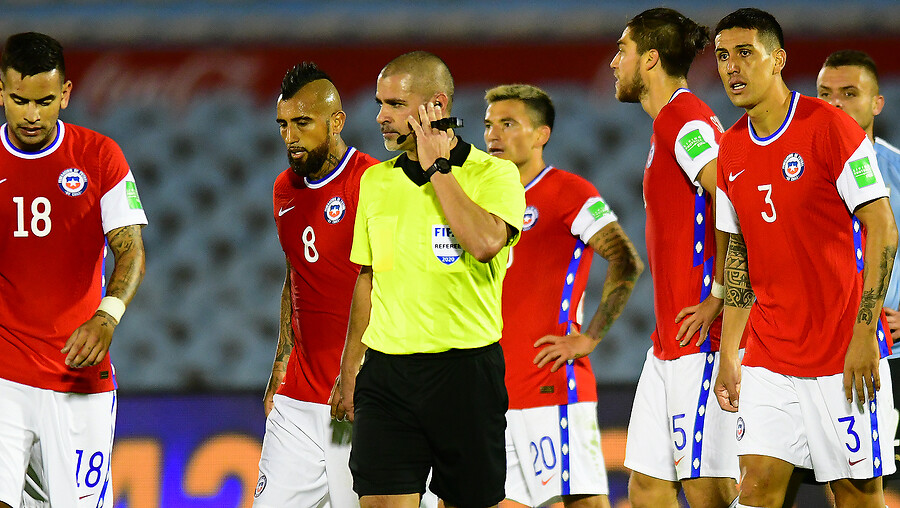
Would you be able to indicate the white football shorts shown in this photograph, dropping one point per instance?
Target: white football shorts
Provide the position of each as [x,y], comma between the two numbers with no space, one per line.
[809,423]
[63,440]
[305,458]
[677,430]
[553,451]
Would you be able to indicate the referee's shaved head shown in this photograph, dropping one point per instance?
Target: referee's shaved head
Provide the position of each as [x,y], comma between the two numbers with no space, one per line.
[430,75]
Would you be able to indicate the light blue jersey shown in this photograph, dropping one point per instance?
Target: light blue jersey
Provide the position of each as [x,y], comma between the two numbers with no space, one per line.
[889,164]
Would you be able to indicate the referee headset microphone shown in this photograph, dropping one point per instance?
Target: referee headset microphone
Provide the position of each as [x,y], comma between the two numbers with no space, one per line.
[451,122]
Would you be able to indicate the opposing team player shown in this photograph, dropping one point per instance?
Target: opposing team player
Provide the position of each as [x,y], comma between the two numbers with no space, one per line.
[552,439]
[678,437]
[848,80]
[800,193]
[65,193]
[305,453]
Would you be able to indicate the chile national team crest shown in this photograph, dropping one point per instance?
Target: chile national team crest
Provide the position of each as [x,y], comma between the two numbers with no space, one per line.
[335,210]
[531,217]
[260,485]
[73,182]
[792,167]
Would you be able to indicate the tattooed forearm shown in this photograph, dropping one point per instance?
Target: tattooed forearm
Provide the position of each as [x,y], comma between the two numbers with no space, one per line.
[738,291]
[624,268]
[869,303]
[286,331]
[127,247]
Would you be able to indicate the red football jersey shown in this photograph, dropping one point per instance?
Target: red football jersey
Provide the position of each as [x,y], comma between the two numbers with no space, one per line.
[680,240]
[792,196]
[315,227]
[57,206]
[544,286]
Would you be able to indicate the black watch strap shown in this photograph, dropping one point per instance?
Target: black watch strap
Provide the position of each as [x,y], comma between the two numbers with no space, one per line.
[441,165]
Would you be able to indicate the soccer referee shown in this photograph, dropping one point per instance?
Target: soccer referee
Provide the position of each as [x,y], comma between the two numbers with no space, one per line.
[433,232]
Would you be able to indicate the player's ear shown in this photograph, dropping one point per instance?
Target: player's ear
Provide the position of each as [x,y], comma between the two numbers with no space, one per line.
[543,133]
[780,58]
[338,118]
[651,58]
[878,104]
[441,100]
[66,92]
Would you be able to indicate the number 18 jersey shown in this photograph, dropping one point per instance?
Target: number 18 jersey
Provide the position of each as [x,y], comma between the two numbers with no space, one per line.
[315,227]
[56,206]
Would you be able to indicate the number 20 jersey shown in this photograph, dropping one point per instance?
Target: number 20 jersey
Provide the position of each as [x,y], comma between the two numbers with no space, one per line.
[792,195]
[56,206]
[315,227]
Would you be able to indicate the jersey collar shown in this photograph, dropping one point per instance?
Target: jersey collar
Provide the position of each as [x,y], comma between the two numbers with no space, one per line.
[322,182]
[47,150]
[413,169]
[784,125]
[677,93]
[537,179]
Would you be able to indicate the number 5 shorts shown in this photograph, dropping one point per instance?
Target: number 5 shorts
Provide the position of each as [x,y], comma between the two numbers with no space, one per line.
[64,439]
[553,451]
[443,412]
[808,422]
[677,430]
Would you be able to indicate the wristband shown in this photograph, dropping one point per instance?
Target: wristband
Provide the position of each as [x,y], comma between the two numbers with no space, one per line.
[717,290]
[113,306]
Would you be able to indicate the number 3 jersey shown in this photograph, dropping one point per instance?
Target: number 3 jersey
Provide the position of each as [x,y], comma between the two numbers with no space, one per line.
[315,227]
[544,287]
[56,206]
[792,196]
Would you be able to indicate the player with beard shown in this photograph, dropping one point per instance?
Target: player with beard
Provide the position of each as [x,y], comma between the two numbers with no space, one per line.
[678,437]
[305,453]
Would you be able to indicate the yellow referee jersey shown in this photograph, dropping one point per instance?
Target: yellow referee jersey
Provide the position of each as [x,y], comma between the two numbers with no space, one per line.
[428,294]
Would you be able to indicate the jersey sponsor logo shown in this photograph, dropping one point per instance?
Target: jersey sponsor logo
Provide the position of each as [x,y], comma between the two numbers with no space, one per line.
[335,210]
[862,172]
[260,485]
[599,210]
[739,432]
[693,143]
[1,181]
[282,211]
[531,217]
[73,182]
[650,156]
[444,244]
[792,167]
[131,194]
[733,176]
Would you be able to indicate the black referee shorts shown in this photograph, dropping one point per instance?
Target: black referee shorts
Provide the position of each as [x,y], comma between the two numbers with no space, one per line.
[444,412]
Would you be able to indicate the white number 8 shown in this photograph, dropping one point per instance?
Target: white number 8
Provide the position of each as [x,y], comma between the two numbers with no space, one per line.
[309,245]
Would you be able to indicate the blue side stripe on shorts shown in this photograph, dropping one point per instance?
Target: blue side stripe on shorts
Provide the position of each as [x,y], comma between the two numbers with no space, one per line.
[101,500]
[567,312]
[565,474]
[700,417]
[876,437]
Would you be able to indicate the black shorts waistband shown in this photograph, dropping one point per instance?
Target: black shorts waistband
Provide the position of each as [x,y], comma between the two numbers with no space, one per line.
[450,353]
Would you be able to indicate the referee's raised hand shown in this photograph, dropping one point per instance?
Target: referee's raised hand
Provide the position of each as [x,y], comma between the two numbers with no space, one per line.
[431,143]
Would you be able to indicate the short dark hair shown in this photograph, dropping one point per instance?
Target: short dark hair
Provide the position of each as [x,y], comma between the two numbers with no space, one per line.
[537,101]
[32,53]
[854,58]
[678,39]
[299,76]
[767,27]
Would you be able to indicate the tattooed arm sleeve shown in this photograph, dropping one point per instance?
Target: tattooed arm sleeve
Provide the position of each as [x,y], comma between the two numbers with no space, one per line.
[127,247]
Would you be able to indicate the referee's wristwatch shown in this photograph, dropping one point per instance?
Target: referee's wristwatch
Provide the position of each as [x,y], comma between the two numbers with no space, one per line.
[441,165]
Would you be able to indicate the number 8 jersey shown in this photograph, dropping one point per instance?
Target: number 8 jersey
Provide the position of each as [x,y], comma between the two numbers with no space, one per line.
[792,196]
[315,227]
[56,206]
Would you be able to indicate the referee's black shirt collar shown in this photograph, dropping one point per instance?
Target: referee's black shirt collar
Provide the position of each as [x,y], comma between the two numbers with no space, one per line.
[416,174]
